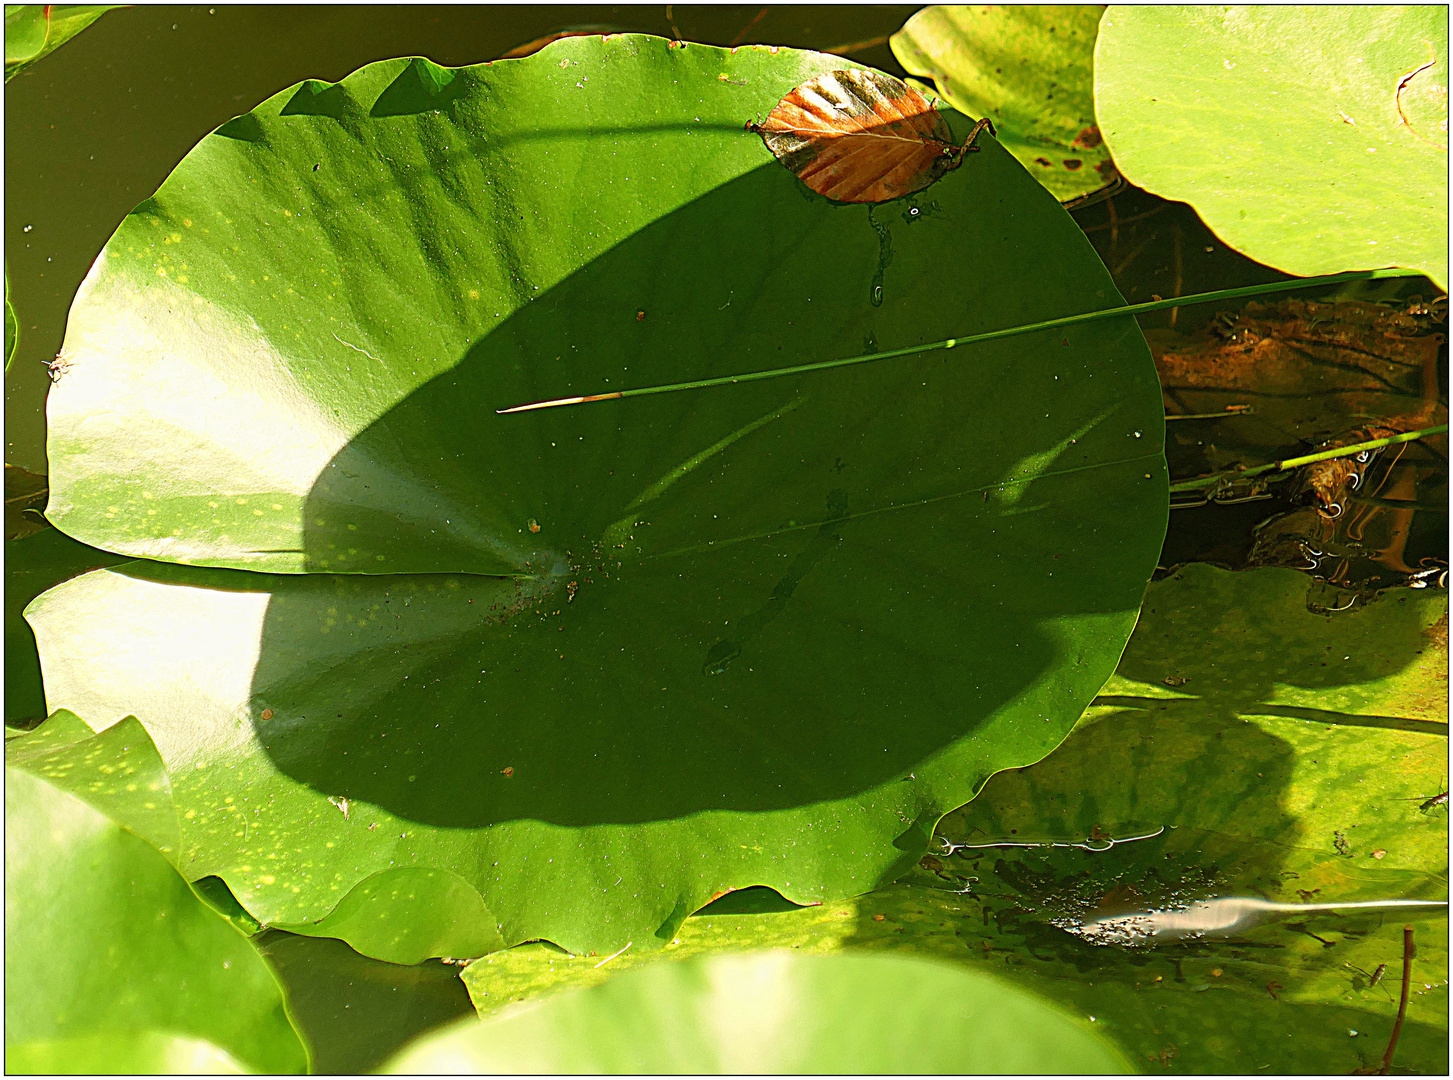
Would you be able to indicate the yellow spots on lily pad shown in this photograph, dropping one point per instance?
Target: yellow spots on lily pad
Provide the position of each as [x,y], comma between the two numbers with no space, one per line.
[267,879]
[474,294]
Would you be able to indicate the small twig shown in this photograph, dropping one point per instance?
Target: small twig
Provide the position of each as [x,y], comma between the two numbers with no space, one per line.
[748,28]
[1099,195]
[856,46]
[1307,459]
[1115,222]
[1231,410]
[613,955]
[992,335]
[1397,1028]
[1176,288]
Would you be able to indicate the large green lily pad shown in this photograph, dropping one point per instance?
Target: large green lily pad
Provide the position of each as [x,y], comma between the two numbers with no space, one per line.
[1313,139]
[765,635]
[1029,68]
[1251,792]
[779,1012]
[104,938]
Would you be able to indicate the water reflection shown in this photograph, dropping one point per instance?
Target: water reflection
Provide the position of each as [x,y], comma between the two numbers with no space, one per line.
[1222,917]
[1094,842]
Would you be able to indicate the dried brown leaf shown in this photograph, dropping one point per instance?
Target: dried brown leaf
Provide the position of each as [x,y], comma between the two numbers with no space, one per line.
[862,136]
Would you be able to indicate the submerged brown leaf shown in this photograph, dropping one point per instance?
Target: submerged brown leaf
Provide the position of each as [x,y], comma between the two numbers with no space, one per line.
[1297,377]
[862,137]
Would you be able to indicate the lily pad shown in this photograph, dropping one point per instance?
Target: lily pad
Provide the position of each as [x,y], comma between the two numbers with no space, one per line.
[1175,1022]
[33,564]
[1312,139]
[1275,754]
[33,31]
[1243,785]
[122,1052]
[118,773]
[103,937]
[778,1012]
[1031,70]
[607,662]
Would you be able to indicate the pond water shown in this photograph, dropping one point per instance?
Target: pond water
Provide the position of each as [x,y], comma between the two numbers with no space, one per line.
[96,127]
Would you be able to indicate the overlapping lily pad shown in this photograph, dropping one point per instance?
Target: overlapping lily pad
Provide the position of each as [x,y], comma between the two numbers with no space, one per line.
[105,943]
[1313,139]
[1030,68]
[1286,755]
[33,31]
[33,564]
[1237,788]
[600,663]
[779,1012]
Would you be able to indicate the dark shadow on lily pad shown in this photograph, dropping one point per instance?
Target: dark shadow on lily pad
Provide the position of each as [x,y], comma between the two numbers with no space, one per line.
[772,595]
